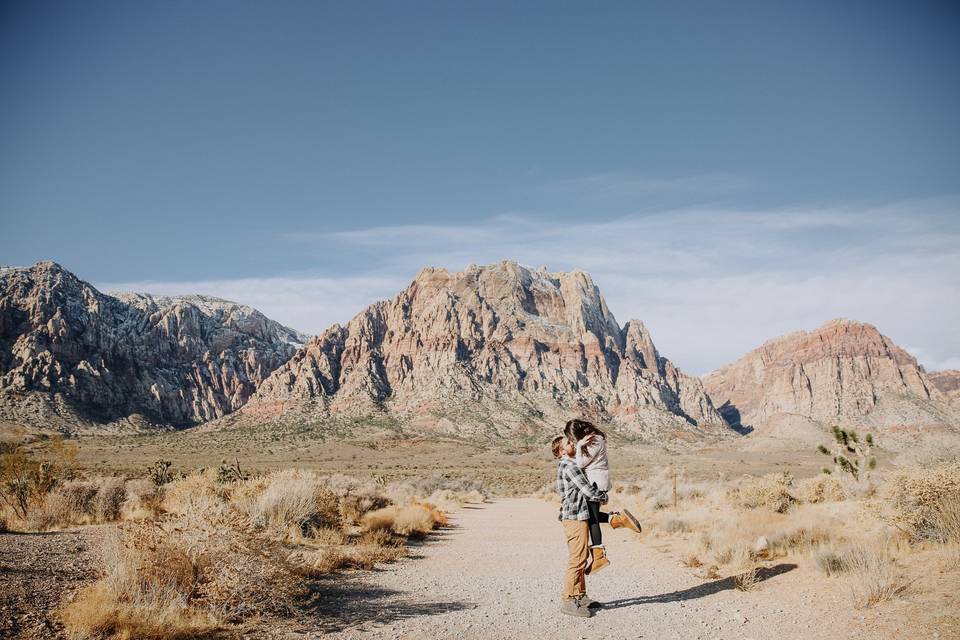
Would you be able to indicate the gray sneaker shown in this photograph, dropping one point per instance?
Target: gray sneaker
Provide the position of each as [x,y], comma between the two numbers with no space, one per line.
[572,607]
[589,603]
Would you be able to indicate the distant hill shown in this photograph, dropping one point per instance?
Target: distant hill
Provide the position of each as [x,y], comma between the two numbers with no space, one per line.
[72,357]
[844,372]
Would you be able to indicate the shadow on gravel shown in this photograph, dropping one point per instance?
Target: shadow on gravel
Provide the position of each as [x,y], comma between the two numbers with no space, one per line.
[699,591]
[338,605]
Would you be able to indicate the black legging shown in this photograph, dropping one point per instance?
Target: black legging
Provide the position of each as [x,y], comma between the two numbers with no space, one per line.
[596,517]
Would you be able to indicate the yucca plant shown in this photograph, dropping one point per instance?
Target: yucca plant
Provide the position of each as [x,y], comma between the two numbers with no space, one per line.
[849,453]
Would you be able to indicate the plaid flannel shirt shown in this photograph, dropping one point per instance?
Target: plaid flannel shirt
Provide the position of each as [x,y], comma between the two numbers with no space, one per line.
[575,490]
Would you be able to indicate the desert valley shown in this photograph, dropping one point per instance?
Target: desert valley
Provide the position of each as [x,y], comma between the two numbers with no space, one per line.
[127,413]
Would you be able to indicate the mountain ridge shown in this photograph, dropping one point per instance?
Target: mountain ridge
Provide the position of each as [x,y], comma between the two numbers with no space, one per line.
[525,347]
[71,356]
[843,371]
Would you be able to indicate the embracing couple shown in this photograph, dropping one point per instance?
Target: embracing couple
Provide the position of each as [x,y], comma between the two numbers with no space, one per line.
[583,480]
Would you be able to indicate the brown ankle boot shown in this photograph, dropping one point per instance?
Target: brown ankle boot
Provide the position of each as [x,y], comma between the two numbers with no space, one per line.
[598,556]
[625,519]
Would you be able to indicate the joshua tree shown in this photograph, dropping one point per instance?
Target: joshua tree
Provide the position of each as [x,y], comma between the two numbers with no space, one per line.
[850,454]
[160,472]
[231,473]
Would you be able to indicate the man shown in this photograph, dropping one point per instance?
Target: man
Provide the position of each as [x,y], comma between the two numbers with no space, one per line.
[575,490]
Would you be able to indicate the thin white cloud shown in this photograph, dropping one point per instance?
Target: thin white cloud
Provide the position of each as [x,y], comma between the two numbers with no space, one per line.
[710,284]
[621,185]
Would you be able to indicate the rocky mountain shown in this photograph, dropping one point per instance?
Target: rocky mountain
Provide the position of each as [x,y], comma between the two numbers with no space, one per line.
[842,372]
[492,350]
[948,382]
[72,356]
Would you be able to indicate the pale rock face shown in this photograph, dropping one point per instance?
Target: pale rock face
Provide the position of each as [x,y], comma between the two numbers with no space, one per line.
[499,349]
[948,383]
[843,372]
[70,355]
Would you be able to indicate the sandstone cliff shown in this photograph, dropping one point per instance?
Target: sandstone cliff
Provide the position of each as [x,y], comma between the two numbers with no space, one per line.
[843,372]
[71,356]
[495,350]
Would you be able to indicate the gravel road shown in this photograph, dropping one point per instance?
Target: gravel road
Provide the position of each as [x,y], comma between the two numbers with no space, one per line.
[496,574]
[37,572]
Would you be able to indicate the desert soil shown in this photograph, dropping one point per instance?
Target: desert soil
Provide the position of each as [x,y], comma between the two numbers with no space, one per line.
[496,574]
[39,571]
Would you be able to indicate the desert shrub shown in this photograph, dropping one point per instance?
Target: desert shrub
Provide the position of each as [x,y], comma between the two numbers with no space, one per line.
[145,594]
[873,576]
[231,472]
[410,520]
[297,500]
[837,561]
[111,493]
[196,494]
[746,580]
[821,488]
[144,500]
[798,537]
[691,560]
[80,502]
[72,502]
[770,492]
[438,481]
[354,506]
[626,488]
[944,519]
[26,476]
[676,525]
[921,499]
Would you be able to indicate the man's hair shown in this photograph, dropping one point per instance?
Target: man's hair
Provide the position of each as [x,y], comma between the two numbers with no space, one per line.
[556,444]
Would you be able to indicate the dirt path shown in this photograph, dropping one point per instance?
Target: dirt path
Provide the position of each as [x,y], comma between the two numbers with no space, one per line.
[37,572]
[496,574]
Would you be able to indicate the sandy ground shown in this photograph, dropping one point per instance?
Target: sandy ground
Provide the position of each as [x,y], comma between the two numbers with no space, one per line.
[38,571]
[496,574]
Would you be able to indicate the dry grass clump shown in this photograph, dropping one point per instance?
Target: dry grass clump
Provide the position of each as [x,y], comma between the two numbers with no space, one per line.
[747,580]
[944,519]
[873,576]
[769,492]
[446,482]
[144,500]
[295,501]
[80,502]
[146,594]
[820,488]
[924,501]
[409,520]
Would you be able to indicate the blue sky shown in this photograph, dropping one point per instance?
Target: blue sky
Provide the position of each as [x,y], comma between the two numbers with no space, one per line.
[726,171]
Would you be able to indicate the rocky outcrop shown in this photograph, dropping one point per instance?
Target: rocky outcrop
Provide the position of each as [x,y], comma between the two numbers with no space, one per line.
[843,372]
[71,355]
[948,383]
[493,350]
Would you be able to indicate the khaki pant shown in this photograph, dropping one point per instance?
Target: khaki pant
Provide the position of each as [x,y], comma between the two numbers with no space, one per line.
[577,533]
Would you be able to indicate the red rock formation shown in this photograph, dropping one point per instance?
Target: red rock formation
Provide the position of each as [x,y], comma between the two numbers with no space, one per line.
[493,350]
[844,371]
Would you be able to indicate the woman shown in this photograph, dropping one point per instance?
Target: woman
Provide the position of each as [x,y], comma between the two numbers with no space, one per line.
[591,457]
